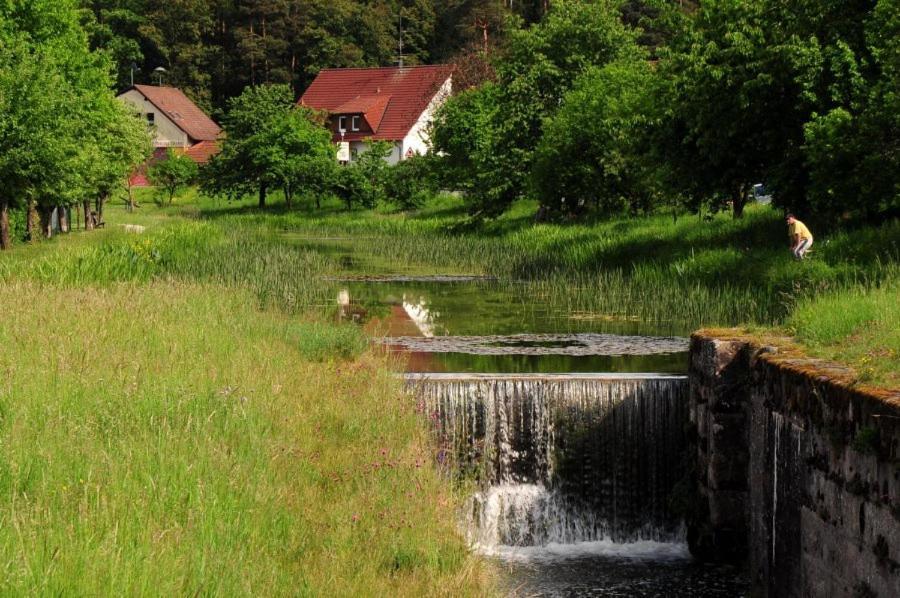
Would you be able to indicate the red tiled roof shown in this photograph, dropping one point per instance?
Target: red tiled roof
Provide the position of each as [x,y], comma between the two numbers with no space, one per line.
[181,111]
[390,98]
[371,107]
[201,152]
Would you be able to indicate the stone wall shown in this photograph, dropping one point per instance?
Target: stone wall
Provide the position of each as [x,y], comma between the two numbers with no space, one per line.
[797,470]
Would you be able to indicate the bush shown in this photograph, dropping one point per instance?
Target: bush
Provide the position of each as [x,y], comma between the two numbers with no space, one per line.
[411,182]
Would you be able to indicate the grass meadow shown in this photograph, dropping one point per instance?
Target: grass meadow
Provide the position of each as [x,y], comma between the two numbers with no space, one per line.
[175,420]
[179,416]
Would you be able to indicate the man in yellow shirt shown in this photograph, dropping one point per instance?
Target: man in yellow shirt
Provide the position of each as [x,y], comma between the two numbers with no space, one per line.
[801,238]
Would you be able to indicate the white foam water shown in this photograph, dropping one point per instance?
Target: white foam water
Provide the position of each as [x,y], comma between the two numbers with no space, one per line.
[643,550]
[528,521]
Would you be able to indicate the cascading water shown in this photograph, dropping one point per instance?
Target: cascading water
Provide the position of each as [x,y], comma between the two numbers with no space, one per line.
[562,459]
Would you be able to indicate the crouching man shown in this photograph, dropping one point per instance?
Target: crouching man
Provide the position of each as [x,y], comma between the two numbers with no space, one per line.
[801,238]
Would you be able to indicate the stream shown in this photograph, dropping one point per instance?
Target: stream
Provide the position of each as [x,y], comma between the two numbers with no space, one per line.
[571,425]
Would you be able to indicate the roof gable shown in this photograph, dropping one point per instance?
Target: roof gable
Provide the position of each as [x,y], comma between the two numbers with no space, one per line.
[183,113]
[390,98]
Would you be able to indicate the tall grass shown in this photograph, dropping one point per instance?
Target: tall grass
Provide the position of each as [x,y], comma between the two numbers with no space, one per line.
[719,272]
[857,325]
[279,275]
[171,439]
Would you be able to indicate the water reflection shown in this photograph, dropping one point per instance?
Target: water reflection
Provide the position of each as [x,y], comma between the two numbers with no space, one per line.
[485,326]
[421,316]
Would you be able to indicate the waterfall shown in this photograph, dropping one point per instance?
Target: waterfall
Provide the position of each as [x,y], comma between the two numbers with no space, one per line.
[562,459]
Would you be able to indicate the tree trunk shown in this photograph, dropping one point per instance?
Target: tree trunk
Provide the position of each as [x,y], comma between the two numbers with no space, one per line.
[318,202]
[262,195]
[130,197]
[88,219]
[101,203]
[31,222]
[738,199]
[4,224]
[63,215]
[46,213]
[288,196]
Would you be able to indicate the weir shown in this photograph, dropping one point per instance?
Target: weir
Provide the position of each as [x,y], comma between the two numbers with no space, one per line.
[562,459]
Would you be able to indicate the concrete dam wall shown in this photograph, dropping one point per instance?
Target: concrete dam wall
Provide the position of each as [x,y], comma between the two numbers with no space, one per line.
[797,470]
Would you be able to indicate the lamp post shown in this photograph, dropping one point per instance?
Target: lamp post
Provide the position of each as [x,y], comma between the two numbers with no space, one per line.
[134,67]
[160,71]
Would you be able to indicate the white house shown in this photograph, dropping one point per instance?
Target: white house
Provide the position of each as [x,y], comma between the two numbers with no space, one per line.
[394,104]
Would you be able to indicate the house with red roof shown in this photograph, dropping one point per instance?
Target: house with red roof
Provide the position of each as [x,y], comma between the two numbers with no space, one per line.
[176,123]
[394,104]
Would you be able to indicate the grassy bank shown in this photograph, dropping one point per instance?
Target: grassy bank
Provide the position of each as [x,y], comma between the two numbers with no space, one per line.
[699,272]
[172,423]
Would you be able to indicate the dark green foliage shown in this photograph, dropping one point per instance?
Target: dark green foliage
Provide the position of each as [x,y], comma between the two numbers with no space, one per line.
[590,154]
[411,182]
[490,135]
[791,95]
[212,49]
[801,97]
[465,136]
[853,150]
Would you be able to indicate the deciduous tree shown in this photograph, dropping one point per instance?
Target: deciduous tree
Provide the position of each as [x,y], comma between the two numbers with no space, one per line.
[173,173]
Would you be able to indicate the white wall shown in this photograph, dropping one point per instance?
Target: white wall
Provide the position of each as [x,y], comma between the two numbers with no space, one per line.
[166,133]
[417,139]
[361,147]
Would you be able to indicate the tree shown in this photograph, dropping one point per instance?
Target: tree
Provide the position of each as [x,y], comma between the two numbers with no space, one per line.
[464,136]
[852,151]
[735,89]
[176,34]
[173,174]
[124,142]
[270,143]
[56,106]
[113,27]
[298,152]
[592,150]
[363,180]
[537,67]
[411,182]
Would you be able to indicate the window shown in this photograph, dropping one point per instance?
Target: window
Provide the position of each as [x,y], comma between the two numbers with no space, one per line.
[355,123]
[342,124]
[151,118]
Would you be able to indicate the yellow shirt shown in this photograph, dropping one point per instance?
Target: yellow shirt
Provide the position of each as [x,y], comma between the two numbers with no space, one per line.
[798,228]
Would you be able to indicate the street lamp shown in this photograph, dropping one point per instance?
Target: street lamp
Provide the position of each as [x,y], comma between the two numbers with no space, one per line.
[160,71]
[134,67]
